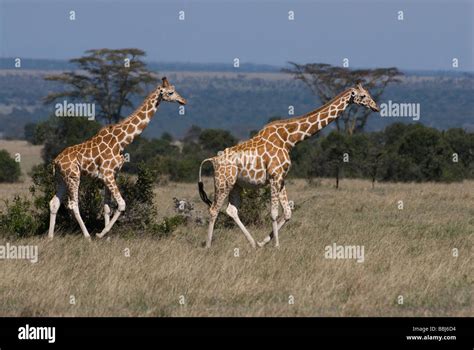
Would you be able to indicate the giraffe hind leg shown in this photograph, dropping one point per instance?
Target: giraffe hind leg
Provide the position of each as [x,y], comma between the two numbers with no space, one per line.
[72,184]
[221,191]
[55,203]
[232,211]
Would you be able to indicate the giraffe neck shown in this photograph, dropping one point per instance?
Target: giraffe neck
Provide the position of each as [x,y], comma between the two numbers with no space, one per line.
[139,120]
[314,121]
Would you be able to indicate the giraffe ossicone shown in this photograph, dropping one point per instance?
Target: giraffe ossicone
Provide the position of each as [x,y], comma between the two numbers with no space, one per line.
[102,156]
[265,159]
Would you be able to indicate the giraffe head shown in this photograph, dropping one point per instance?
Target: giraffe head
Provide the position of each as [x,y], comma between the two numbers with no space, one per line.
[361,96]
[168,93]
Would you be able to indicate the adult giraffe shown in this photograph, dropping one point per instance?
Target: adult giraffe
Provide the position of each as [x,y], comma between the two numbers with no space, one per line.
[265,158]
[101,156]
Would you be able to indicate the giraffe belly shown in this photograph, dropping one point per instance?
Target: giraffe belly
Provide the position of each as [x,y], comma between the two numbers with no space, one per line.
[246,184]
[246,181]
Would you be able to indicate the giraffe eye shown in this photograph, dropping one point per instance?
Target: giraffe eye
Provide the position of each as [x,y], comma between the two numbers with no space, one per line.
[170,93]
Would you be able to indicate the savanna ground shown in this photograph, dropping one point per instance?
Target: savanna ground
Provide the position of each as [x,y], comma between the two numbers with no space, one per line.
[408,252]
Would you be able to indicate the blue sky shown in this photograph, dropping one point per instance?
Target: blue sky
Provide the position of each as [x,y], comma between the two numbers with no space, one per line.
[367,32]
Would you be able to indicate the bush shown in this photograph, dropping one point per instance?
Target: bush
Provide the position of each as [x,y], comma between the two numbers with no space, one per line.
[18,219]
[254,208]
[168,225]
[58,133]
[421,154]
[138,195]
[9,169]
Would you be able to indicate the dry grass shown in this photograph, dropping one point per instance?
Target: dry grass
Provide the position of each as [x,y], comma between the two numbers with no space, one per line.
[407,252]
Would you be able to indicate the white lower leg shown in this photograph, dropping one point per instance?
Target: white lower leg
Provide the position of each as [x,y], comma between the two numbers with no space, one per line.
[106,214]
[286,217]
[274,215]
[53,207]
[75,210]
[210,231]
[275,233]
[108,227]
[233,213]
[267,239]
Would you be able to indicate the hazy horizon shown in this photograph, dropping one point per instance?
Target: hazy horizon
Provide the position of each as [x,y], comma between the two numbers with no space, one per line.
[368,33]
[255,64]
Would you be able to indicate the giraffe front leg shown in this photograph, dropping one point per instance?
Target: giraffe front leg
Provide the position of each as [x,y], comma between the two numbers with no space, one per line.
[283,220]
[109,181]
[275,190]
[106,207]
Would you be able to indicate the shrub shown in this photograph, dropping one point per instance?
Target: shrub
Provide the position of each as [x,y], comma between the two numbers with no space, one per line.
[138,195]
[58,133]
[168,225]
[9,169]
[254,208]
[18,219]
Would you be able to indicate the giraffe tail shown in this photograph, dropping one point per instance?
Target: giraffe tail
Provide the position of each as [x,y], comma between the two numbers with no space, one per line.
[202,193]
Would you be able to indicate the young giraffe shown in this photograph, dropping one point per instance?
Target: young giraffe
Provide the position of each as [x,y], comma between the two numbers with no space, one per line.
[265,158]
[101,156]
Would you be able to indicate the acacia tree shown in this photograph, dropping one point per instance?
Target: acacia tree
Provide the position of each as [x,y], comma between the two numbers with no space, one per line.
[326,81]
[106,77]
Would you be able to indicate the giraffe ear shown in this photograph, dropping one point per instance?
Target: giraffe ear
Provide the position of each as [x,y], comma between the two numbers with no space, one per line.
[359,86]
[165,82]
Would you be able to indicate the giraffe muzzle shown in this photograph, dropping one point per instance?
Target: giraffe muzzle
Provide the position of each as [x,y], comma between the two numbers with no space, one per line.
[375,108]
[182,101]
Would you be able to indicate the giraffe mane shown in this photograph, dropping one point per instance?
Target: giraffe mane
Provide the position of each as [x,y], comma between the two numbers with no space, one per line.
[288,120]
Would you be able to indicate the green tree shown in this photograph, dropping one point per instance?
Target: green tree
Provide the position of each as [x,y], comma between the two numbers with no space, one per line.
[421,154]
[215,140]
[327,81]
[462,144]
[106,77]
[9,169]
[333,147]
[29,131]
[59,133]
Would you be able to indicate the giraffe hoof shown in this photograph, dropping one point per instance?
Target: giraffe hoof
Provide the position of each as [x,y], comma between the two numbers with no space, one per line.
[102,234]
[261,244]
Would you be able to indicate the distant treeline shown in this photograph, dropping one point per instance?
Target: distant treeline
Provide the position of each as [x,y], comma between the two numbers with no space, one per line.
[398,153]
[57,64]
[50,64]
[242,103]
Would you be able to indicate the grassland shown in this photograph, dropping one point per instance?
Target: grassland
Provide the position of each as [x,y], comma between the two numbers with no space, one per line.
[408,252]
